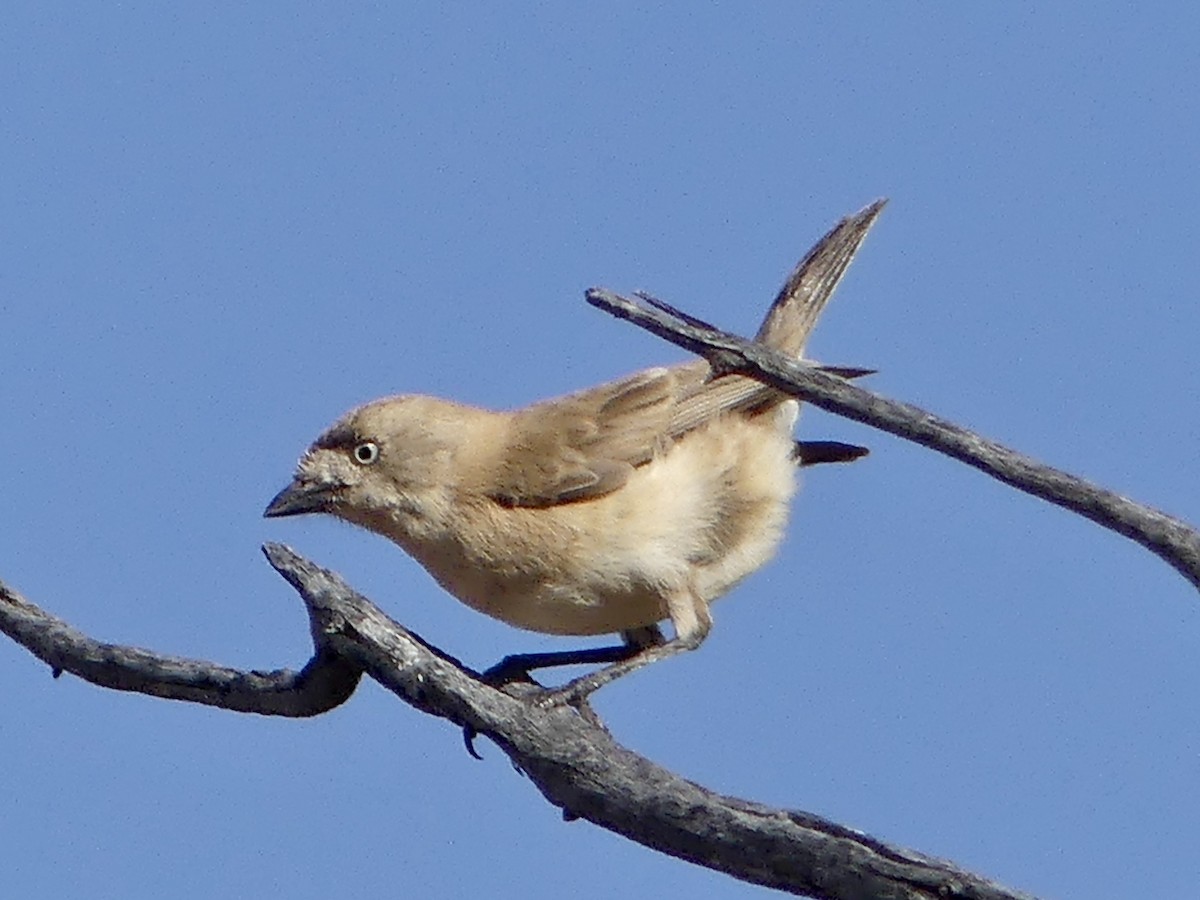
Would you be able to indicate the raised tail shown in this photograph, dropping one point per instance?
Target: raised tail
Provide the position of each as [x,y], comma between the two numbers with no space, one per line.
[792,316]
[787,326]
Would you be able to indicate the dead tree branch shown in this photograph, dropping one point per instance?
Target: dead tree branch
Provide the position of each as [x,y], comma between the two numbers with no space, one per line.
[1171,539]
[326,682]
[571,758]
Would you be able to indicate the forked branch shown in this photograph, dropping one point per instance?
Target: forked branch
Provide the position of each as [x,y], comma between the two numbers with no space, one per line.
[571,758]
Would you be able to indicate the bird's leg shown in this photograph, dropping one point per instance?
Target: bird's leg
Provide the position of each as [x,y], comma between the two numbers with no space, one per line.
[692,621]
[518,666]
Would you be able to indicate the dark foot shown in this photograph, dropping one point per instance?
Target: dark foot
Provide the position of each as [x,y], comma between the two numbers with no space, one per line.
[518,666]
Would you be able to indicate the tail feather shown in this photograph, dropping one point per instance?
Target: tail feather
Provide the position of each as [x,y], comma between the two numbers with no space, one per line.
[803,296]
[814,453]
[787,326]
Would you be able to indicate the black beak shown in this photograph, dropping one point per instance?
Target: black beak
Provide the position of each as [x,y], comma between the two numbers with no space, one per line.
[298,498]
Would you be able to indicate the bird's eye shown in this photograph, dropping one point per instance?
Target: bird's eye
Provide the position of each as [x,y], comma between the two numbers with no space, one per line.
[366,453]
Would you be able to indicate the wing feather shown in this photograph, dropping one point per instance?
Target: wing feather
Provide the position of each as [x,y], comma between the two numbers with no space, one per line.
[585,445]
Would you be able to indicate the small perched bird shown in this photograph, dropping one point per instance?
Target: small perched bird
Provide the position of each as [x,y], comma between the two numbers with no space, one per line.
[604,511]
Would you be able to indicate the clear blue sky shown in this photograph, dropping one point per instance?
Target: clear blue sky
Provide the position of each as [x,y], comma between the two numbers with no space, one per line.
[222,226]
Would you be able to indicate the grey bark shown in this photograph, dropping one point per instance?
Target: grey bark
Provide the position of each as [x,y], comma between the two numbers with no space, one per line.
[567,754]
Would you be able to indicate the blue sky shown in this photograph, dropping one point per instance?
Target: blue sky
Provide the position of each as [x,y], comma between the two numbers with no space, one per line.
[223,226]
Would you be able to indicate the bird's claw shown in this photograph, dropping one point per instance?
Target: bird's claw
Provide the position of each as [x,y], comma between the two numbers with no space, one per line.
[469,733]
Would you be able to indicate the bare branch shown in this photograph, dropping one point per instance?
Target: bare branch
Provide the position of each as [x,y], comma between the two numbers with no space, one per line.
[570,757]
[1169,538]
[327,681]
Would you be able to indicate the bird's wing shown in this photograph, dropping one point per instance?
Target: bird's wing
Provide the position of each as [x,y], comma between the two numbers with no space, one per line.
[701,399]
[585,445]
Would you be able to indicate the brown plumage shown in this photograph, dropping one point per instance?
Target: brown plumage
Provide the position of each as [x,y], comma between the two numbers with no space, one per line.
[604,511]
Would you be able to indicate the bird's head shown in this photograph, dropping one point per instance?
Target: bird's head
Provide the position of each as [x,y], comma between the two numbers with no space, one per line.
[383,461]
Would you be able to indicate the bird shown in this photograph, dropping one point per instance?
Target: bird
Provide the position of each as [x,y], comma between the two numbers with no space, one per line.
[605,511]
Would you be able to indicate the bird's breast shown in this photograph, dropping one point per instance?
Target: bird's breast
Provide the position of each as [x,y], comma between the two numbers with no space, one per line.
[700,517]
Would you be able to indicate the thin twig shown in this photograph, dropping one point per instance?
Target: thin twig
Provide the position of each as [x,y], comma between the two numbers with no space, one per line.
[1169,538]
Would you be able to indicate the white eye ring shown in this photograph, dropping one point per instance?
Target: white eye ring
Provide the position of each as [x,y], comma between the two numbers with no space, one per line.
[366,453]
